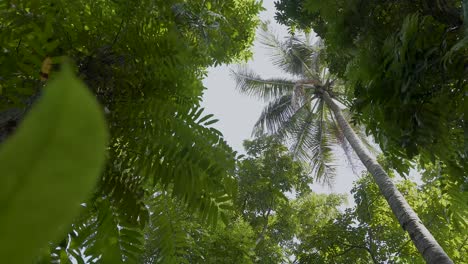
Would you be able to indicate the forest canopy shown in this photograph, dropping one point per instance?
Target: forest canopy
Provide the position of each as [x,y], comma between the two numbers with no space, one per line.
[106,155]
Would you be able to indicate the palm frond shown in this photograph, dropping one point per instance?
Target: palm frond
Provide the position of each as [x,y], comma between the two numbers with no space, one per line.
[252,84]
[274,115]
[293,55]
[287,129]
[310,141]
[303,140]
[321,153]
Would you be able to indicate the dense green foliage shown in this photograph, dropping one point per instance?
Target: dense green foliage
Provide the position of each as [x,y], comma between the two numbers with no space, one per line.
[405,67]
[369,233]
[267,176]
[260,226]
[277,219]
[311,229]
[172,190]
[144,61]
[188,240]
[304,113]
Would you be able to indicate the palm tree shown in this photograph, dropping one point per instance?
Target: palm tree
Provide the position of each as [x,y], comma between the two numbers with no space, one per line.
[305,111]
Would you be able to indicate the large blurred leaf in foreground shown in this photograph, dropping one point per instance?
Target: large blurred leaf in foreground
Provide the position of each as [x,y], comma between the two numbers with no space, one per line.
[49,166]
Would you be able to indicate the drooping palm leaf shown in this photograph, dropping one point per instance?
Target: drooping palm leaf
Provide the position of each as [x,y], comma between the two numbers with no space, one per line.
[321,155]
[287,128]
[308,134]
[250,83]
[274,115]
[302,140]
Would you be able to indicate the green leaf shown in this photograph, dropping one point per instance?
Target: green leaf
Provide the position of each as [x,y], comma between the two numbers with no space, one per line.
[211,122]
[203,119]
[49,166]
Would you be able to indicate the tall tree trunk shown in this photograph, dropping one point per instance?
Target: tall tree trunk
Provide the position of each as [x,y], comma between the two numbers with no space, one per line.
[426,244]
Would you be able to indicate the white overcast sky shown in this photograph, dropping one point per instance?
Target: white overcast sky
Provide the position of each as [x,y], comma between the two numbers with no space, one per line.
[237,113]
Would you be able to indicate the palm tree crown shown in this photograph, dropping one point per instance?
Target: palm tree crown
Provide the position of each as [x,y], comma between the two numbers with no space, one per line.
[296,111]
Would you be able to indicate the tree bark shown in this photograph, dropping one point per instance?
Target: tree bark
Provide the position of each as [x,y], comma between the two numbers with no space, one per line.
[426,244]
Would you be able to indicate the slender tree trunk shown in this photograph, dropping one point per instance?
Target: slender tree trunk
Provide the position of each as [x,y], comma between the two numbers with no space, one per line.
[431,251]
[261,237]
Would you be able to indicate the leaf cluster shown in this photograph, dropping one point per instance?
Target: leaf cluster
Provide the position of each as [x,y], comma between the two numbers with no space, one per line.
[405,62]
[370,233]
[144,61]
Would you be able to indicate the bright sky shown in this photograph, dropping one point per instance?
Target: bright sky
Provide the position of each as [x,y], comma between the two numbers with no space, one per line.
[238,113]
